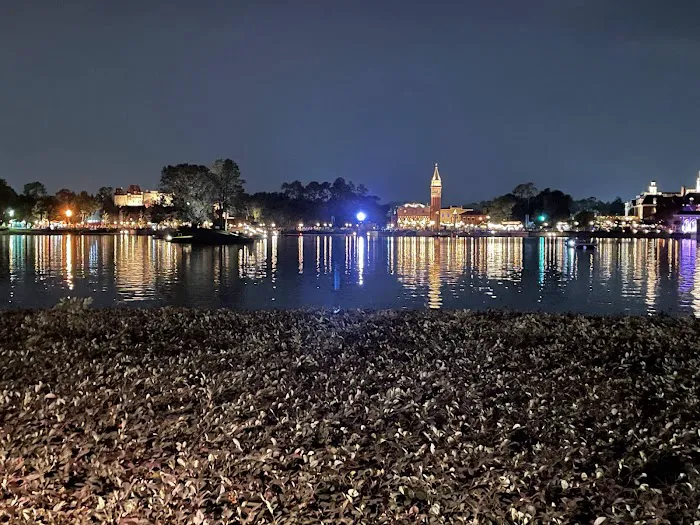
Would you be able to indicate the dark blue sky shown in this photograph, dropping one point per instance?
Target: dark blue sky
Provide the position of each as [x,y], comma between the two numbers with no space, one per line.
[593,97]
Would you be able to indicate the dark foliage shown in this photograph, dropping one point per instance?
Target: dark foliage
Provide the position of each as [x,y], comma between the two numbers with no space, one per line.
[552,205]
[181,416]
[337,202]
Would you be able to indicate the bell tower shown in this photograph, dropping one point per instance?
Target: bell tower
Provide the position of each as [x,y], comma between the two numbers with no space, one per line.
[435,198]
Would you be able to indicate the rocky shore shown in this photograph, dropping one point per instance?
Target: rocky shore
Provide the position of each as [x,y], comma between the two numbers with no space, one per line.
[186,416]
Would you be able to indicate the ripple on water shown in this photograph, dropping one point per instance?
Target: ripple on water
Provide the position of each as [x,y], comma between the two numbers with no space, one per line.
[622,276]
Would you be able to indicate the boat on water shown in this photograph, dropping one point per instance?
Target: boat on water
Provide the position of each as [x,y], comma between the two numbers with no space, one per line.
[581,244]
[209,237]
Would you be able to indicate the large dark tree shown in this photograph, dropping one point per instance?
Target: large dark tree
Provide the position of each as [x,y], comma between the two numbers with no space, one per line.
[590,204]
[192,190]
[501,208]
[8,198]
[227,186]
[105,198]
[86,205]
[105,194]
[523,194]
[584,218]
[46,208]
[554,205]
[293,190]
[34,190]
[616,207]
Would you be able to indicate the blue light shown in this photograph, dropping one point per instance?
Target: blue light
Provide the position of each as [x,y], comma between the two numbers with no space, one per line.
[361,216]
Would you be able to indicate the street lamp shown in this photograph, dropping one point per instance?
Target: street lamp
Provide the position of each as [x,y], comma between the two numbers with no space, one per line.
[361,216]
[11,213]
[69,214]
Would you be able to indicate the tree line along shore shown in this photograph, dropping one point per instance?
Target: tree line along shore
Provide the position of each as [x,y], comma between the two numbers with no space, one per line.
[199,194]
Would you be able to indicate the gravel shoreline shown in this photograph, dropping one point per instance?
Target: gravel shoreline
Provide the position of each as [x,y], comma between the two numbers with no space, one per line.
[190,416]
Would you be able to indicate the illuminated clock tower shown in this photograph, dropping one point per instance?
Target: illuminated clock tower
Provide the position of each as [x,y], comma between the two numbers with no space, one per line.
[435,198]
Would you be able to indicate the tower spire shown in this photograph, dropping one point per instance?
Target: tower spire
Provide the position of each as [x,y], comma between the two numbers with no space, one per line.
[436,180]
[435,199]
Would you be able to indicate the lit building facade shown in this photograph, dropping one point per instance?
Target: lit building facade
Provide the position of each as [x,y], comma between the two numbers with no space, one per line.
[413,215]
[134,196]
[419,216]
[646,204]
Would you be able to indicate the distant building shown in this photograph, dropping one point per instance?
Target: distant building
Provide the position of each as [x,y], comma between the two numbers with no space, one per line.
[413,215]
[647,204]
[436,200]
[134,196]
[419,216]
[472,217]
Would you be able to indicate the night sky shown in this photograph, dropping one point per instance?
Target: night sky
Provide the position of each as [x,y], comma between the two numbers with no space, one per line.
[592,97]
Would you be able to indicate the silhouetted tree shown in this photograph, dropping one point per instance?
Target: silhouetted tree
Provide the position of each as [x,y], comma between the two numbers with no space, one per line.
[523,194]
[554,205]
[293,190]
[584,217]
[35,190]
[46,208]
[86,205]
[501,208]
[192,189]
[227,185]
[8,198]
[616,207]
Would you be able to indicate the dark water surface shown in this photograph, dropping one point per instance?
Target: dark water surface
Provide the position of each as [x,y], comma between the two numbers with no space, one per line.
[622,276]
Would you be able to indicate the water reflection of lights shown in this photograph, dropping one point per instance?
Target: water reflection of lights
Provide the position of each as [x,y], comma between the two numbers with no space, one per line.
[651,281]
[434,281]
[390,256]
[503,258]
[553,254]
[360,259]
[621,275]
[349,243]
[69,261]
[252,260]
[318,255]
[686,272]
[328,251]
[300,248]
[420,267]
[273,262]
[93,262]
[696,285]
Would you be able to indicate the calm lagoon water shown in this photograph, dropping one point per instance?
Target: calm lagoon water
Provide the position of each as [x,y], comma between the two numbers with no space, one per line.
[622,276]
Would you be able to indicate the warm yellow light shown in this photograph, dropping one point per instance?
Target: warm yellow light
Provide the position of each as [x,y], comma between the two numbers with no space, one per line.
[69,213]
